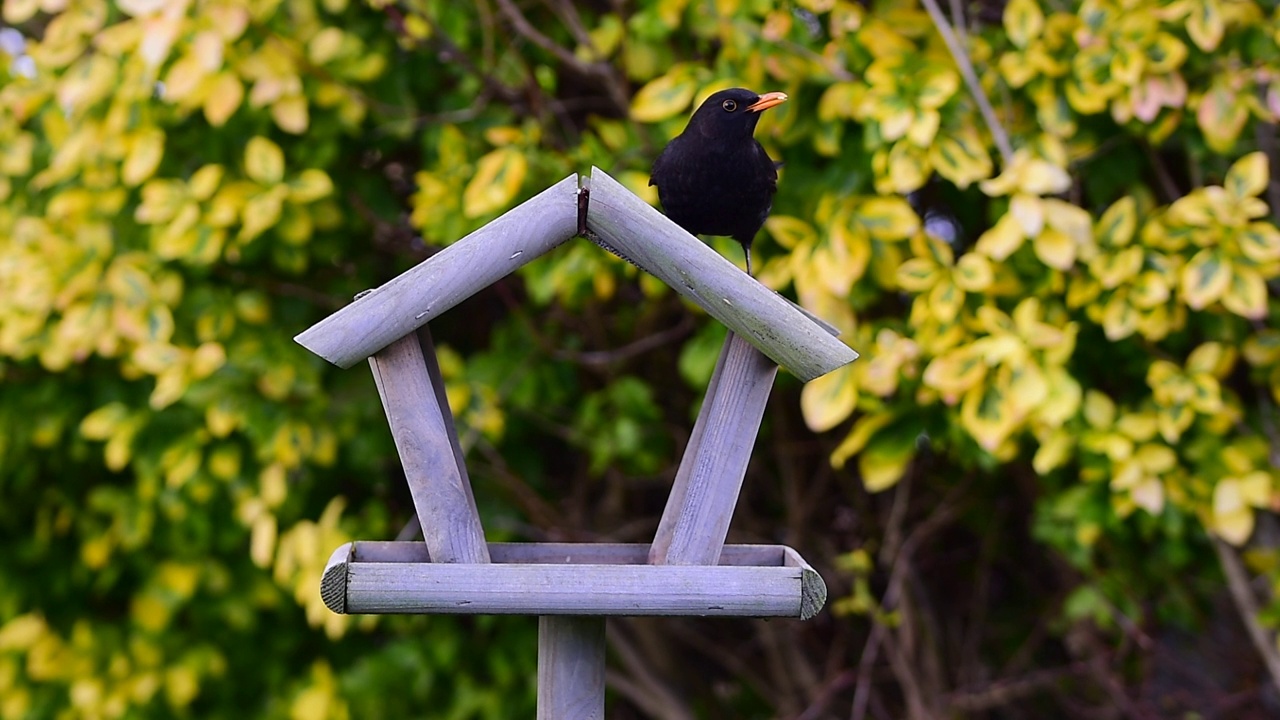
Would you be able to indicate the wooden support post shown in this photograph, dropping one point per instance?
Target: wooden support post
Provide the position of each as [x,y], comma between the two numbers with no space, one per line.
[695,522]
[412,393]
[570,668]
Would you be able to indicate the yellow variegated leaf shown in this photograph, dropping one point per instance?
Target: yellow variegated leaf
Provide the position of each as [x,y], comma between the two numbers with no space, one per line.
[828,400]
[1041,177]
[1069,219]
[1119,319]
[882,464]
[863,430]
[205,181]
[1248,177]
[973,272]
[1260,242]
[224,97]
[260,212]
[1148,494]
[1023,21]
[291,114]
[1221,116]
[1111,269]
[499,176]
[987,415]
[1002,239]
[1116,226]
[790,232]
[1205,278]
[1263,347]
[1255,489]
[838,100]
[310,185]
[906,169]
[1246,295]
[1028,210]
[1099,409]
[1149,290]
[924,127]
[960,159]
[1055,249]
[263,161]
[956,371]
[945,301]
[1053,453]
[1232,517]
[888,218]
[102,423]
[1156,459]
[146,148]
[665,96]
[938,86]
[918,275]
[1205,24]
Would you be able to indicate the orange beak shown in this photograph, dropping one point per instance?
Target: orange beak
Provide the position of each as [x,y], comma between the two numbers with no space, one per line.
[768,100]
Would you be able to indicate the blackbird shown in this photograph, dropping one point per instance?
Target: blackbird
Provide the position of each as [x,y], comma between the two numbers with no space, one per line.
[715,178]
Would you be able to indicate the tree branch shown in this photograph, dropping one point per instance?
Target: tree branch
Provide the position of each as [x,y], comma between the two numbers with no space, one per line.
[1247,605]
[971,79]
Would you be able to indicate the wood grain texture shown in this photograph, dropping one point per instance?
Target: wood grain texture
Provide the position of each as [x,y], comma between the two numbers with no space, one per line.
[571,654]
[768,321]
[568,553]
[571,579]
[422,427]
[440,282]
[696,520]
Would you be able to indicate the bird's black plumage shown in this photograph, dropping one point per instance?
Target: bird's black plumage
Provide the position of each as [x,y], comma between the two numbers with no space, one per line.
[715,178]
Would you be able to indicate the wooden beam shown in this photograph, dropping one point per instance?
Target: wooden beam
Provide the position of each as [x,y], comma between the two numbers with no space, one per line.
[570,668]
[413,397]
[696,520]
[567,553]
[636,231]
[570,579]
[440,282]
[572,554]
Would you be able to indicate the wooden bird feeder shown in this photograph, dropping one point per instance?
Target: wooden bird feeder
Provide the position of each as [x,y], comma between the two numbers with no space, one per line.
[573,587]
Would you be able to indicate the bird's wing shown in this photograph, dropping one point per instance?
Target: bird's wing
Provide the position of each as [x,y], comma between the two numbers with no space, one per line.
[660,165]
[770,168]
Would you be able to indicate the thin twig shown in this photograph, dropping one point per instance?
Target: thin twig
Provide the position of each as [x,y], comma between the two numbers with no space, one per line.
[971,79]
[1265,133]
[1247,606]
[603,71]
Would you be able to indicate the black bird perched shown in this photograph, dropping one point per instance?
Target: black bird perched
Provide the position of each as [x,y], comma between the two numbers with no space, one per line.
[715,178]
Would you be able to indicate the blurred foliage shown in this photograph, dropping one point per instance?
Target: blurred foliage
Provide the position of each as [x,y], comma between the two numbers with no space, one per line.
[1073,284]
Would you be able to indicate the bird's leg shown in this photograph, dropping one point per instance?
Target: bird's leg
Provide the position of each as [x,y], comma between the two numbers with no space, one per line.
[746,249]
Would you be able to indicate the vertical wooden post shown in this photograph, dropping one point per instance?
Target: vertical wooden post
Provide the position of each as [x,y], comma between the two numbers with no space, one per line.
[570,667]
[412,393]
[695,522]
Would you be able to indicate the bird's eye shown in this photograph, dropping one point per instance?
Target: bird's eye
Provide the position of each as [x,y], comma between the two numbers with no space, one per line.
[729,105]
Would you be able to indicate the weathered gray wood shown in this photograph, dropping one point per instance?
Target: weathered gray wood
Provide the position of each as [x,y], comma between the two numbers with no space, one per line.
[422,427]
[646,237]
[447,278]
[391,551]
[570,579]
[678,496]
[570,668]
[696,520]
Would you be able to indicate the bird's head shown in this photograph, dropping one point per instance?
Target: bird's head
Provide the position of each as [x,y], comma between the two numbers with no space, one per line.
[733,112]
